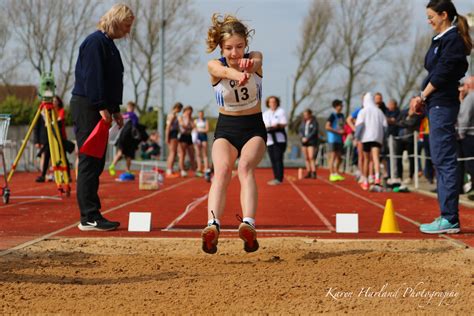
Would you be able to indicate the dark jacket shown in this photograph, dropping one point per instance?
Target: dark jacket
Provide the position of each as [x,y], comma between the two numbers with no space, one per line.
[312,132]
[99,73]
[393,128]
[40,132]
[130,137]
[446,64]
[408,125]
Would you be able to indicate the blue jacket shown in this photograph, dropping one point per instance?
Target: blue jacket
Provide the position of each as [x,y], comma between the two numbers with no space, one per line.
[99,72]
[446,64]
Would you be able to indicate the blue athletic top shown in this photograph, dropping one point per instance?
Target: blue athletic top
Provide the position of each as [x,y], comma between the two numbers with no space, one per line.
[337,123]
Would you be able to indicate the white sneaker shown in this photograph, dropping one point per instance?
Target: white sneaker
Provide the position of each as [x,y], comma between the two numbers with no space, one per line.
[274,182]
[407,181]
[184,174]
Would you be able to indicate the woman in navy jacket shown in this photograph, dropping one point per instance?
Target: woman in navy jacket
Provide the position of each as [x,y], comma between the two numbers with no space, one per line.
[97,95]
[446,64]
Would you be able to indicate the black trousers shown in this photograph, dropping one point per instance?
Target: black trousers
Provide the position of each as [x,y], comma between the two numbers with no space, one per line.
[85,117]
[400,146]
[276,153]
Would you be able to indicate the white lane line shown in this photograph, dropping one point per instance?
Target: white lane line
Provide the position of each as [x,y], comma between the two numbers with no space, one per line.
[313,207]
[454,241]
[31,242]
[370,201]
[37,198]
[191,206]
[292,231]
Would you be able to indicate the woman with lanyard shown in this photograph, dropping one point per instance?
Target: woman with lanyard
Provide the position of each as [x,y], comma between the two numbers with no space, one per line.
[446,64]
[275,122]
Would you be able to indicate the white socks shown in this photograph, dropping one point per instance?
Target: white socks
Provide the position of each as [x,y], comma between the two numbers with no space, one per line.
[249,220]
[212,221]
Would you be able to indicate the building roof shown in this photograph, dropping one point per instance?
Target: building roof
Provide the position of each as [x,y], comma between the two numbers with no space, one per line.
[24,93]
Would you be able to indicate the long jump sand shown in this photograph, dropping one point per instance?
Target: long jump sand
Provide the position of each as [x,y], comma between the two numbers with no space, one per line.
[286,276]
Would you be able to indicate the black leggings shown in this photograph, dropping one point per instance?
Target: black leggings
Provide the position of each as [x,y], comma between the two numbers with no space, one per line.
[276,153]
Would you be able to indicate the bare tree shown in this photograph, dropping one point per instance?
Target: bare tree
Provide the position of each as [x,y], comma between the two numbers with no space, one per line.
[407,70]
[182,25]
[48,33]
[367,28]
[313,53]
[9,60]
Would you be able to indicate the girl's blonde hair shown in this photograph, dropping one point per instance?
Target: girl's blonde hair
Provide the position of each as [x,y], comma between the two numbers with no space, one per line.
[223,28]
[111,21]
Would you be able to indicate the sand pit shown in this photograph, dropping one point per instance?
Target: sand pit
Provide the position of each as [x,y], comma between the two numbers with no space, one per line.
[286,276]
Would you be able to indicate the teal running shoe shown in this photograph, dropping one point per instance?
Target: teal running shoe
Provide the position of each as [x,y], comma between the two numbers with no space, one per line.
[440,226]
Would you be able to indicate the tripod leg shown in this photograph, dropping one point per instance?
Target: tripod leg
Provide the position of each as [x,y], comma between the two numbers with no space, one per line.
[57,151]
[61,152]
[25,141]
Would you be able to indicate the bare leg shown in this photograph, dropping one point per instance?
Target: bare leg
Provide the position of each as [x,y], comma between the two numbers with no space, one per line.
[198,157]
[224,156]
[117,157]
[128,162]
[251,155]
[172,154]
[365,170]
[331,162]
[312,166]
[376,159]
[192,156]
[181,155]
[204,155]
[304,149]
[338,161]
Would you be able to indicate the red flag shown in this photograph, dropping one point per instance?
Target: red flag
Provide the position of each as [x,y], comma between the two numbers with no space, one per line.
[96,143]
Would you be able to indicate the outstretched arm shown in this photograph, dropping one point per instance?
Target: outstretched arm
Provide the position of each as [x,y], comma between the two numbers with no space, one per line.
[253,63]
[219,71]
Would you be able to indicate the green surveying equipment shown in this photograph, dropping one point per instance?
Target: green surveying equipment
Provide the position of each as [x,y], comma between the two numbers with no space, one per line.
[46,93]
[47,87]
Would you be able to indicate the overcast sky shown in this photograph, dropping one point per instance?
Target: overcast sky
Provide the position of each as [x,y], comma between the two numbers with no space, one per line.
[277,25]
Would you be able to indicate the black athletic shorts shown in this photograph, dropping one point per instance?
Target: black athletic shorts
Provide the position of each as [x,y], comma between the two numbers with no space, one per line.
[366,147]
[238,130]
[186,138]
[173,134]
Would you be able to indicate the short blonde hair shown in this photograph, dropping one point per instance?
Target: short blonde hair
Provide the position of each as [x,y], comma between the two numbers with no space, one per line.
[110,21]
[224,27]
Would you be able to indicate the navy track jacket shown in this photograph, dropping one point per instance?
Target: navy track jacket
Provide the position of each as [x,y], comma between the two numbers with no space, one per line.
[99,72]
[446,63]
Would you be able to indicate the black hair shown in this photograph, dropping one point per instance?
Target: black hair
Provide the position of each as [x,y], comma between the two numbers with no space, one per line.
[336,103]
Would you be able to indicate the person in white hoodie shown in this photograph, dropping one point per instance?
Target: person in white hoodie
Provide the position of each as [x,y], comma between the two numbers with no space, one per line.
[370,127]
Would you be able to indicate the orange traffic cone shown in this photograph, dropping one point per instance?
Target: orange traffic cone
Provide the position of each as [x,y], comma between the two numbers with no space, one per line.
[389,222]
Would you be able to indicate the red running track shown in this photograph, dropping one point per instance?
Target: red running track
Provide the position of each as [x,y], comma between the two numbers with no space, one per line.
[305,208]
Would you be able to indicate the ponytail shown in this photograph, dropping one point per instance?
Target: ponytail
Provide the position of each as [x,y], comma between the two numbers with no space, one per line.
[463,28]
[224,27]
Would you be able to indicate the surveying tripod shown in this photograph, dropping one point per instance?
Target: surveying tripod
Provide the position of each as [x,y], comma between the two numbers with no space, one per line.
[56,148]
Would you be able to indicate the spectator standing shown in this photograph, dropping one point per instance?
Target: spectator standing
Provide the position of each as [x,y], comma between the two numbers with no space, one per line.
[275,122]
[370,127]
[335,130]
[97,94]
[446,63]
